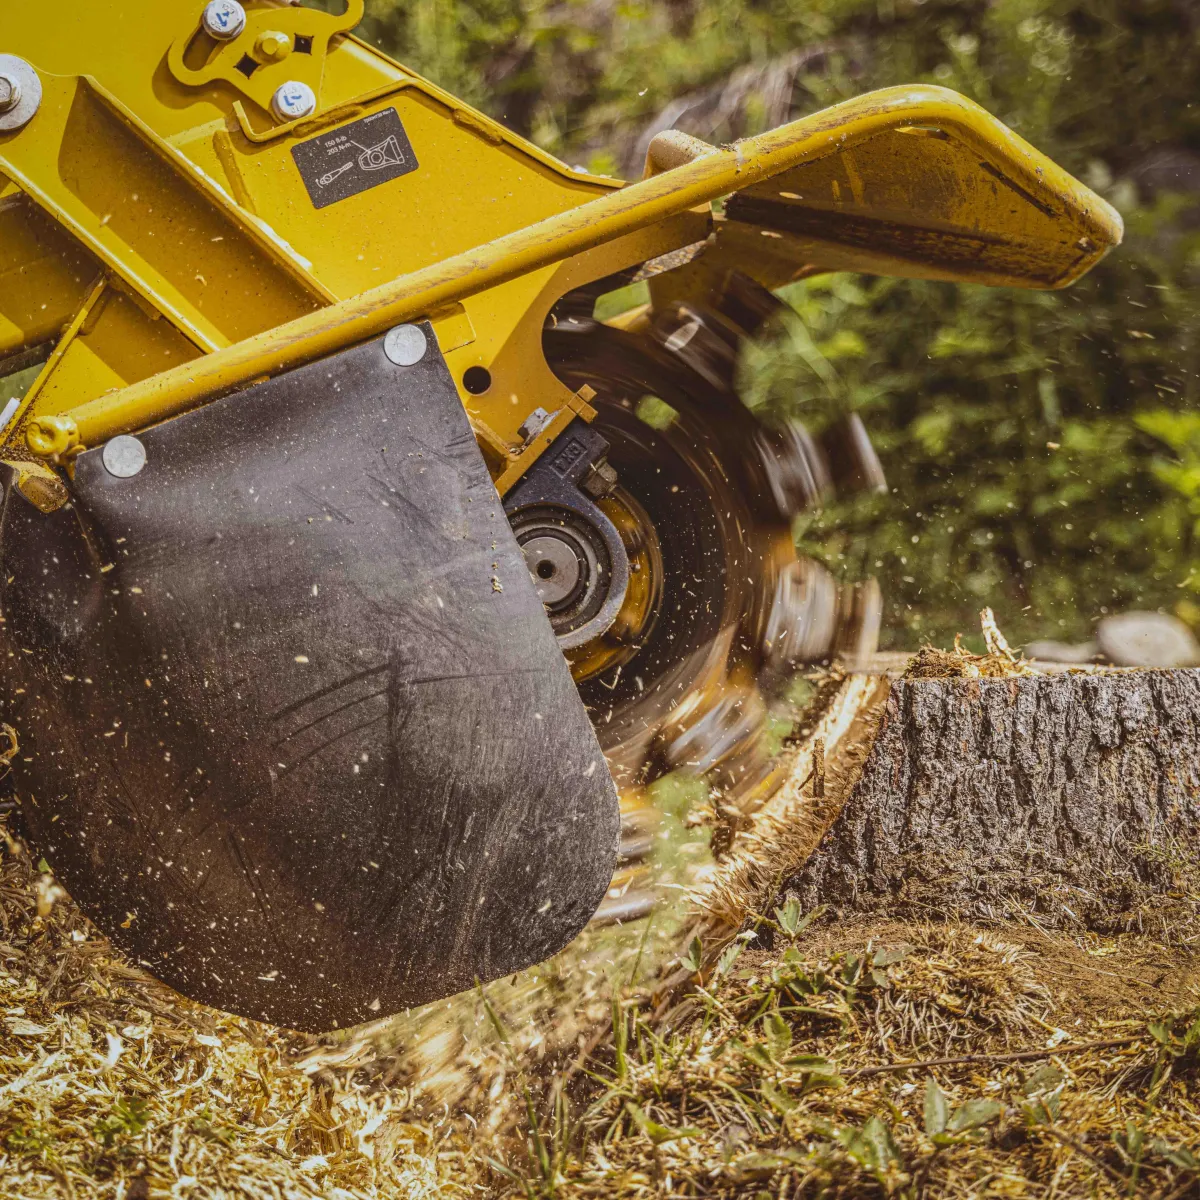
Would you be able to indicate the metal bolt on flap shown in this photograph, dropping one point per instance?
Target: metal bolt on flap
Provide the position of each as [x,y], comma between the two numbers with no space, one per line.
[223,19]
[293,100]
[405,345]
[123,456]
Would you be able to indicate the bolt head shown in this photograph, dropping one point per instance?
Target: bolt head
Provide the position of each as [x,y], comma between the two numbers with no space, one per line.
[10,93]
[123,456]
[223,19]
[405,345]
[293,100]
[274,45]
[20,92]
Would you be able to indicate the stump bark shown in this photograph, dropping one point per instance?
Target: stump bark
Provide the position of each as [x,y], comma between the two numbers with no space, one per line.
[1070,799]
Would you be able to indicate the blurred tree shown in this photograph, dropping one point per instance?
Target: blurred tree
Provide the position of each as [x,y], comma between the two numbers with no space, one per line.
[1023,433]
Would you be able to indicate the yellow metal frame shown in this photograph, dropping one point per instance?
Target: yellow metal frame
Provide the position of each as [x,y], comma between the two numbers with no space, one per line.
[155,211]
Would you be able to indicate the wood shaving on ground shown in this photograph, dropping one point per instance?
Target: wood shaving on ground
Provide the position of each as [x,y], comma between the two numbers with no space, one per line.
[112,1085]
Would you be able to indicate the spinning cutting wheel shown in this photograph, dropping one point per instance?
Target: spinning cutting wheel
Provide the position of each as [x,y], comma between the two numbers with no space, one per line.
[297,726]
[720,609]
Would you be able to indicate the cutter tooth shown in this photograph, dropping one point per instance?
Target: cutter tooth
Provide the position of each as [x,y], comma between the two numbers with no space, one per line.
[721,740]
[749,305]
[803,625]
[632,906]
[860,618]
[791,469]
[853,463]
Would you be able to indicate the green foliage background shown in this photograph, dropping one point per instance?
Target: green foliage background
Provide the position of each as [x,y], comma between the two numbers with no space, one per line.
[1044,448]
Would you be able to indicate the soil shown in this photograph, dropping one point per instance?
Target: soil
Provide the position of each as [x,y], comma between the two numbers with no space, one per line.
[1091,979]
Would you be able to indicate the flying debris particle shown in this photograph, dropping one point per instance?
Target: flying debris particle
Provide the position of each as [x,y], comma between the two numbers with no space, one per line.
[497,586]
[302,658]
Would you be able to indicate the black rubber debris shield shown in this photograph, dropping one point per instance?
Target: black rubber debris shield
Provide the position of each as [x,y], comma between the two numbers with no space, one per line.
[295,729]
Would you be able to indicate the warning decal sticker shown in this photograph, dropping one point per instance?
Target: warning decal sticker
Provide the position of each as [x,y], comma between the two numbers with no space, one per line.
[355,157]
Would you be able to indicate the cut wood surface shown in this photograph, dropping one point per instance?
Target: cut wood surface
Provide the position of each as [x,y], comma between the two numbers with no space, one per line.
[1070,798]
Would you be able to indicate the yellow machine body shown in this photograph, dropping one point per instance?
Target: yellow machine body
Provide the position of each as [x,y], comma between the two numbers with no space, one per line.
[220,242]
[155,230]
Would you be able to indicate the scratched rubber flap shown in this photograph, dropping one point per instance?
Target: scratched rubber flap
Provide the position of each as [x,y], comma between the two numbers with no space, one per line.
[302,739]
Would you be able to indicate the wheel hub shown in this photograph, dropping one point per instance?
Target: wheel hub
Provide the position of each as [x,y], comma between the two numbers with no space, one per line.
[570,565]
[561,567]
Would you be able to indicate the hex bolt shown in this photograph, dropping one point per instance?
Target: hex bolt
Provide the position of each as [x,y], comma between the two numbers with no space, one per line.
[10,93]
[223,19]
[123,456]
[273,45]
[20,92]
[293,100]
[405,345]
[601,481]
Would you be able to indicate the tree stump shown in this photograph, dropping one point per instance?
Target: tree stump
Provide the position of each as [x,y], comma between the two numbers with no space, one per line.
[1063,799]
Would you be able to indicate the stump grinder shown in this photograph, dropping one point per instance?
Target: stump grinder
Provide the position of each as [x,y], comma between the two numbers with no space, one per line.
[353,565]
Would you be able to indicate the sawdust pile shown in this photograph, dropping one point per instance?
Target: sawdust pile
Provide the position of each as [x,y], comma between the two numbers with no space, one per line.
[999,662]
[112,1085]
[742,1048]
[842,1061]
[933,1060]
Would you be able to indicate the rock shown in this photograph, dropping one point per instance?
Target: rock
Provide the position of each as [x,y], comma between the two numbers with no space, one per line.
[1062,652]
[1147,639]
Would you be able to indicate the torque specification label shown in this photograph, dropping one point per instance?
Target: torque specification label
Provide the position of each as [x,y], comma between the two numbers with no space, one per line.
[354,158]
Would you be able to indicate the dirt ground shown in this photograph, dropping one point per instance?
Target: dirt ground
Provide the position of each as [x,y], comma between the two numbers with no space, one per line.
[732,1046]
[1073,1072]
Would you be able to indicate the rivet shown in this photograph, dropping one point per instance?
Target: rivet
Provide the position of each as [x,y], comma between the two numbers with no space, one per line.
[405,345]
[123,456]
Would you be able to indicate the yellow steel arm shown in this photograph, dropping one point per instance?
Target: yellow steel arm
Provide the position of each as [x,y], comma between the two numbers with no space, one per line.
[159,161]
[1084,228]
